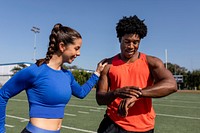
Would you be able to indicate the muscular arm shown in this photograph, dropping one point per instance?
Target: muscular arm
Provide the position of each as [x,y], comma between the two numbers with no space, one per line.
[103,95]
[165,83]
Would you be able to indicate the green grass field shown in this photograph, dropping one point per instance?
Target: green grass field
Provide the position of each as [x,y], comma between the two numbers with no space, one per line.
[177,113]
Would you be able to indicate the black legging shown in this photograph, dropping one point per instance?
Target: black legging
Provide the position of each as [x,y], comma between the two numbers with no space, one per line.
[25,131]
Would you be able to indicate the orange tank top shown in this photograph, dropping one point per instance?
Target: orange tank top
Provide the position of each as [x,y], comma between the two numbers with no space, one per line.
[141,117]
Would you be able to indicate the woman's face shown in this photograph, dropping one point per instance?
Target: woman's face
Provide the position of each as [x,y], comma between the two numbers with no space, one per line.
[72,51]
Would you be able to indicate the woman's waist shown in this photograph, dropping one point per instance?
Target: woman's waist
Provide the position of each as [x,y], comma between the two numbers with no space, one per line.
[47,123]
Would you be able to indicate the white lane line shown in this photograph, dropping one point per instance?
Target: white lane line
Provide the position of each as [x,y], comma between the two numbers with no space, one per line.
[87,99]
[81,106]
[70,114]
[175,101]
[18,100]
[25,120]
[83,112]
[176,106]
[19,118]
[176,116]
[94,110]
[9,125]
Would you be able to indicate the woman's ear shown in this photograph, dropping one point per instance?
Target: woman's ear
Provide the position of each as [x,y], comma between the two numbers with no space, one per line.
[62,46]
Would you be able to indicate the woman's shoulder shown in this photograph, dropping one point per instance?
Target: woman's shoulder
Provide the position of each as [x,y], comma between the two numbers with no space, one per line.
[67,71]
[32,70]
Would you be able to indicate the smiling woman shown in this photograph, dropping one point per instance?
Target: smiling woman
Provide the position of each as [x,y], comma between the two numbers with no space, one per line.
[48,86]
[60,45]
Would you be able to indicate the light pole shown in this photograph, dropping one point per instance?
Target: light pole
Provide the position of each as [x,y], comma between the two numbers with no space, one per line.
[35,30]
[166,58]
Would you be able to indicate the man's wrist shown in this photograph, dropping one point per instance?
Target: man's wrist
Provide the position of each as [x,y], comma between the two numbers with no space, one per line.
[140,89]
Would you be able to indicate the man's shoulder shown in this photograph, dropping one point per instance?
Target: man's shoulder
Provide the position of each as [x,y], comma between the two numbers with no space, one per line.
[154,61]
[109,60]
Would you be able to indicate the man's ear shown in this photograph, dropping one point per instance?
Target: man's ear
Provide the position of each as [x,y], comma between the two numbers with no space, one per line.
[62,46]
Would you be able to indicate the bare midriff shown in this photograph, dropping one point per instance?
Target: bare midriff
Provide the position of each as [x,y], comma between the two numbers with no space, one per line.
[47,124]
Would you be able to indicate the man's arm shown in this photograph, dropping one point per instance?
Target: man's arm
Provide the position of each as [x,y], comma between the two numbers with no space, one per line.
[103,95]
[165,83]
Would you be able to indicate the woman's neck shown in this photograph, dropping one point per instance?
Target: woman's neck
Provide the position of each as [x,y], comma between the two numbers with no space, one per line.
[55,62]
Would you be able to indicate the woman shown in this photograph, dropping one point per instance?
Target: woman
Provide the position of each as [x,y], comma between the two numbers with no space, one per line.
[49,86]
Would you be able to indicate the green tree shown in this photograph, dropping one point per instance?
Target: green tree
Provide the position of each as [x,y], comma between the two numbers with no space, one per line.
[194,79]
[176,69]
[74,67]
[191,78]
[81,76]
[18,68]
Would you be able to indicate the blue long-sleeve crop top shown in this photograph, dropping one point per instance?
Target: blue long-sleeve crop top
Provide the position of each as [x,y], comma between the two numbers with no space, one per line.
[48,91]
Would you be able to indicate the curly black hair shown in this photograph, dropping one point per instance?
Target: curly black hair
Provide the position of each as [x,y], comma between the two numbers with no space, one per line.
[131,25]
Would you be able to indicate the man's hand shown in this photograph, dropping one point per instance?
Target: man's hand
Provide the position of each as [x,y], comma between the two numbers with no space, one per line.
[128,92]
[125,104]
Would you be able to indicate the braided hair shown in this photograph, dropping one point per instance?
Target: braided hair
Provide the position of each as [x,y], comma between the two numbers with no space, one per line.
[131,25]
[59,34]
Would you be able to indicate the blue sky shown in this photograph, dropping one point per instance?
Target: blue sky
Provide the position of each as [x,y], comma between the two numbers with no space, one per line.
[172,24]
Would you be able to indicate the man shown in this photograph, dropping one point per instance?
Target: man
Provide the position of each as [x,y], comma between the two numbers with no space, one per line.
[130,81]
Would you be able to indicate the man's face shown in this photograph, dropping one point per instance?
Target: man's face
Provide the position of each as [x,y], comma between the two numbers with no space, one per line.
[129,45]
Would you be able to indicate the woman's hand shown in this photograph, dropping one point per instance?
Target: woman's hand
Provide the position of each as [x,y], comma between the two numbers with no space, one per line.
[100,66]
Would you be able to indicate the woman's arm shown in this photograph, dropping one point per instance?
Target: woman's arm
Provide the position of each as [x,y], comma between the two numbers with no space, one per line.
[19,82]
[82,91]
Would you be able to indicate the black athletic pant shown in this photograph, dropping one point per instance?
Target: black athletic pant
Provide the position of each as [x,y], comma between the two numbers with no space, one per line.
[108,126]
